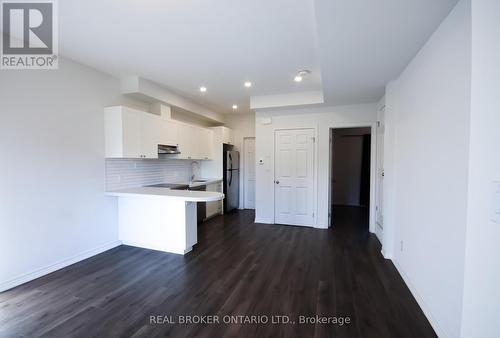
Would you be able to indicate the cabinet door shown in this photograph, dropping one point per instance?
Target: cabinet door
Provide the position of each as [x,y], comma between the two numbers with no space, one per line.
[205,144]
[150,135]
[187,141]
[131,134]
[214,208]
[227,135]
[168,133]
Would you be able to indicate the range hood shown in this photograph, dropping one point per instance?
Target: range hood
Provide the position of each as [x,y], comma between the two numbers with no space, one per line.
[168,150]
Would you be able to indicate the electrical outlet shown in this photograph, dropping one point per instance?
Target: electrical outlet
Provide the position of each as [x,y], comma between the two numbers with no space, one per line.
[495,203]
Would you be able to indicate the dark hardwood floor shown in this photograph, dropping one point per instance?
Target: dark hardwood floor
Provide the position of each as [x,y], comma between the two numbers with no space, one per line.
[238,268]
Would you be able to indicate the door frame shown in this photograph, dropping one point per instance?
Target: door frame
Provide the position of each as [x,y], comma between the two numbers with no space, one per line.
[244,160]
[373,169]
[379,208]
[315,172]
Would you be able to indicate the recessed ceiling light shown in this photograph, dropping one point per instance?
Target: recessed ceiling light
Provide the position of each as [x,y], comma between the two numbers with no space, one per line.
[203,89]
[248,84]
[300,75]
[235,106]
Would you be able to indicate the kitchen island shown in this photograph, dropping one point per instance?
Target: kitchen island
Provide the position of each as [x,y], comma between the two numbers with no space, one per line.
[160,219]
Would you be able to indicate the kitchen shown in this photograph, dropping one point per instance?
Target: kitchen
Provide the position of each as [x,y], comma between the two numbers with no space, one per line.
[161,210]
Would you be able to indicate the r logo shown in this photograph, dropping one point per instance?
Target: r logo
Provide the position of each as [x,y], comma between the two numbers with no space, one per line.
[28,28]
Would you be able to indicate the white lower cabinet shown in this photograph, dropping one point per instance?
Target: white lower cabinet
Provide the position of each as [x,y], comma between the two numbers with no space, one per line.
[214,208]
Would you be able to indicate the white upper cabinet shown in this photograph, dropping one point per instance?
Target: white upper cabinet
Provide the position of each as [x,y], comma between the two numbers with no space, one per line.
[227,135]
[195,143]
[150,135]
[131,133]
[205,137]
[122,132]
[129,141]
[169,133]
[187,141]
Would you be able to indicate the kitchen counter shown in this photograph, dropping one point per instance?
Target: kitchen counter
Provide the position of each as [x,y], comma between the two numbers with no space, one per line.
[160,218]
[165,193]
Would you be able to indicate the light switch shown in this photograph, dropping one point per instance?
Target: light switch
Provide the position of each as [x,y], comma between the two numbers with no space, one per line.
[266,120]
[495,212]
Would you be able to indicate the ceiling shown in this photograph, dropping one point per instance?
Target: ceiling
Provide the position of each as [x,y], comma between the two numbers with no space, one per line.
[364,44]
[353,48]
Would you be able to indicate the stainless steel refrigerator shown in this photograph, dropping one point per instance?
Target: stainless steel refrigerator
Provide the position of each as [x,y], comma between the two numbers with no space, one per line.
[231,179]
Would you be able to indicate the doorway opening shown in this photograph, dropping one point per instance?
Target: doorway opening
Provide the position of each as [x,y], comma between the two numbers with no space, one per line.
[350,175]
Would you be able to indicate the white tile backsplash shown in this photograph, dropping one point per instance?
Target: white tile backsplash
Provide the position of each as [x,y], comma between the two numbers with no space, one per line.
[130,173]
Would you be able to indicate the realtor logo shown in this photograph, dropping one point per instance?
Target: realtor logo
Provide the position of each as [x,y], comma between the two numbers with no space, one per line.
[29,35]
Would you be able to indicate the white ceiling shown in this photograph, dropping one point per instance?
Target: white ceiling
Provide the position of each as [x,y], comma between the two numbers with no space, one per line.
[364,44]
[183,44]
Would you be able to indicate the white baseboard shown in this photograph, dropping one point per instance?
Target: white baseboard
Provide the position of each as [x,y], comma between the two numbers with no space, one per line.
[6,285]
[152,246]
[264,220]
[386,254]
[270,221]
[423,305]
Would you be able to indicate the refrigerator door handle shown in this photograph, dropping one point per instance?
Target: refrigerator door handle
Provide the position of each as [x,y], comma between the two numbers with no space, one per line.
[231,177]
[230,162]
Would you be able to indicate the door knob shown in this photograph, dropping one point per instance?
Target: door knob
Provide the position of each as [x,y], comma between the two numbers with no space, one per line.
[277,182]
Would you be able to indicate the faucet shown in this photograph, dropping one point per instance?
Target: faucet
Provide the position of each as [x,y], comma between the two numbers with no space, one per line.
[195,169]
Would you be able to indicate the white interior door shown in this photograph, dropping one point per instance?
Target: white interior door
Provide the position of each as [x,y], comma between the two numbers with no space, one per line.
[249,167]
[294,177]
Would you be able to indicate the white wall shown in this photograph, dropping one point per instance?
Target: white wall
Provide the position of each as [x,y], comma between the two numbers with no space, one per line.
[426,166]
[320,119]
[243,125]
[482,262]
[52,204]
